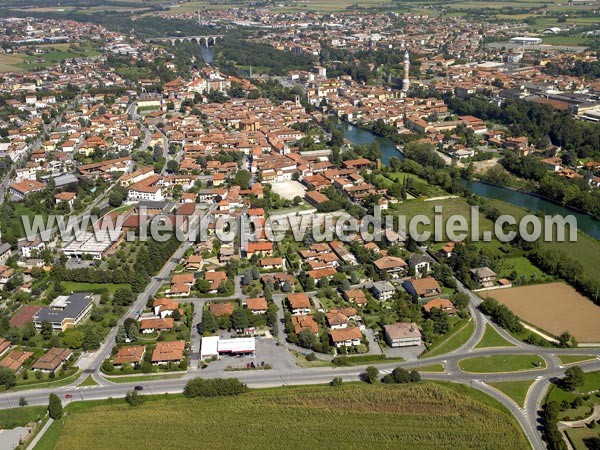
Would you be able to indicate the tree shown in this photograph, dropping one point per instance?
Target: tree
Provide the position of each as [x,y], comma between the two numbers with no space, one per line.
[133,332]
[307,338]
[123,296]
[574,378]
[203,286]
[121,335]
[172,166]
[566,340]
[7,377]
[55,409]
[401,375]
[414,376]
[239,320]
[133,398]
[46,330]
[372,374]
[242,178]
[73,338]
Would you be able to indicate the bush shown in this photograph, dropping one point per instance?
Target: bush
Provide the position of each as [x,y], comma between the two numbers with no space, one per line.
[311,357]
[133,398]
[199,387]
[371,374]
[337,381]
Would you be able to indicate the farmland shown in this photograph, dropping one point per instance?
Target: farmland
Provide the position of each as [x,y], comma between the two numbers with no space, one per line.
[554,307]
[425,415]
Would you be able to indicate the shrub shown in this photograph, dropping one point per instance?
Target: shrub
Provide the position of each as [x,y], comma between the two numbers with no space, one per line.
[337,381]
[133,398]
[199,387]
[311,357]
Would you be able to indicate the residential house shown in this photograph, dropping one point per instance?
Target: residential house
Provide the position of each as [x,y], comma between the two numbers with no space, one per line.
[391,264]
[383,290]
[402,334]
[52,360]
[423,287]
[442,304]
[129,355]
[168,351]
[299,303]
[257,305]
[346,337]
[156,324]
[302,322]
[484,276]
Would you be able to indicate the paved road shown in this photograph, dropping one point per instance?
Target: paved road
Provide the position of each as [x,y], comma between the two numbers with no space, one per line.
[288,374]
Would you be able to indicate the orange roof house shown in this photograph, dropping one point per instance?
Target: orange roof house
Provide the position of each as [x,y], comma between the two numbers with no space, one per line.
[129,355]
[168,351]
[221,309]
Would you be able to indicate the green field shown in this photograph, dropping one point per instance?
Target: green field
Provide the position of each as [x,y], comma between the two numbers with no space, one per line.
[517,390]
[577,435]
[572,359]
[521,266]
[55,53]
[96,288]
[432,368]
[491,338]
[586,249]
[423,415]
[89,381]
[501,363]
[453,340]
[19,417]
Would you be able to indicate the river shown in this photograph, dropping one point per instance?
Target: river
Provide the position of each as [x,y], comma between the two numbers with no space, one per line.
[207,54]
[590,226]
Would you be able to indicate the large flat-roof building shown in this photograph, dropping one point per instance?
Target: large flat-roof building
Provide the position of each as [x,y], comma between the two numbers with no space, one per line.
[65,311]
[524,40]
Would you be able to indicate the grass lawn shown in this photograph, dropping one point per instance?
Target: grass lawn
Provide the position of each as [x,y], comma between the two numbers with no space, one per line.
[577,435]
[453,340]
[586,249]
[521,266]
[303,362]
[572,359]
[517,390]
[142,378]
[423,415]
[19,417]
[89,381]
[432,368]
[95,288]
[491,338]
[501,363]
[450,207]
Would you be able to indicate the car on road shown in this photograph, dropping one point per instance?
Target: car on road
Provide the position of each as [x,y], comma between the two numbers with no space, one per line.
[68,396]
[139,388]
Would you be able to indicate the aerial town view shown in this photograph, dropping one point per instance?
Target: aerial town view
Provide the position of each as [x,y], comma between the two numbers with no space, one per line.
[302,224]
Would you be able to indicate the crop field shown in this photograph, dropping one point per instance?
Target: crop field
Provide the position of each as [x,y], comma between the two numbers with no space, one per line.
[554,307]
[423,415]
